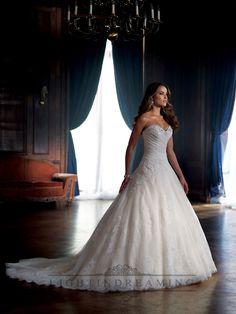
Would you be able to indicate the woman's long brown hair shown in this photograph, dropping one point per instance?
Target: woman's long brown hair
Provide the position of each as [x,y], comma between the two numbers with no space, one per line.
[167,112]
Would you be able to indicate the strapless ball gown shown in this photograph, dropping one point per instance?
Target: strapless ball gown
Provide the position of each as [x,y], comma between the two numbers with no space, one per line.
[148,239]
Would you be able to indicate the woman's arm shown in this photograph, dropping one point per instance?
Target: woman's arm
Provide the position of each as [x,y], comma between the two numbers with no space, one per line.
[175,165]
[138,127]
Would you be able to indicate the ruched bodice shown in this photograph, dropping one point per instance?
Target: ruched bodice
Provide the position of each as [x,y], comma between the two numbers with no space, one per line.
[155,142]
[154,162]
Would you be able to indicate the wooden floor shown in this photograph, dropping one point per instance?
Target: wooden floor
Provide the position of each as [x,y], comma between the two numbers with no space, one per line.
[32,230]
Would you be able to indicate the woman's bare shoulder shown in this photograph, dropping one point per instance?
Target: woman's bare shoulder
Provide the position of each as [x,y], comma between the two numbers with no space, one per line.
[141,123]
[142,120]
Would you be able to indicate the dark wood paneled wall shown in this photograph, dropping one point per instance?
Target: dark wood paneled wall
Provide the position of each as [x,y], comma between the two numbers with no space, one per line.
[185,73]
[32,62]
[189,37]
[33,111]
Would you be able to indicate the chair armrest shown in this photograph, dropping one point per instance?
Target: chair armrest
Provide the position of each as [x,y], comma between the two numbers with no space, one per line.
[64,176]
[69,180]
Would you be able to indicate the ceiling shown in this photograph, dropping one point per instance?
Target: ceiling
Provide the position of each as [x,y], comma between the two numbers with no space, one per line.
[199,22]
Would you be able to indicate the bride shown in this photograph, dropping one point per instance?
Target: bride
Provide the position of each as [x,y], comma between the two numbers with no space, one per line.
[150,237]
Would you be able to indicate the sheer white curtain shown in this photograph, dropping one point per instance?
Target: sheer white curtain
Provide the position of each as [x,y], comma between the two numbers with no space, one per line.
[100,142]
[229,163]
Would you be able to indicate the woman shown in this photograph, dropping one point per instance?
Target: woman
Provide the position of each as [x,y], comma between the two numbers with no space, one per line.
[150,237]
[154,110]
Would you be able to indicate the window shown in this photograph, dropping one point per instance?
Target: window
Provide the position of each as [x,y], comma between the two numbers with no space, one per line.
[101,141]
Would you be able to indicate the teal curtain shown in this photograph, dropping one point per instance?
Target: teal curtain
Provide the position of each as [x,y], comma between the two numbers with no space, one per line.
[222,75]
[85,65]
[128,67]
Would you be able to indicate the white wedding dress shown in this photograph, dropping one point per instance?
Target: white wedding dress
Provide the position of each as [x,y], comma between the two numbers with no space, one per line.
[149,238]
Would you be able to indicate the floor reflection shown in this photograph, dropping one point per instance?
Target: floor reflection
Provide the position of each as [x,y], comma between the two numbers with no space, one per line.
[87,216]
[56,232]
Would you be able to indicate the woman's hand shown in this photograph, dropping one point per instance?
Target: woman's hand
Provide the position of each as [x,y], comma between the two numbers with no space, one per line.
[124,183]
[184,184]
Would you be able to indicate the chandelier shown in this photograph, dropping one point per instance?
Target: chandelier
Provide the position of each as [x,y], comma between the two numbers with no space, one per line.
[126,19]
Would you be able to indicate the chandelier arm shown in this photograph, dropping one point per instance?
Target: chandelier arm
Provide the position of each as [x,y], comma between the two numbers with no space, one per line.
[127,19]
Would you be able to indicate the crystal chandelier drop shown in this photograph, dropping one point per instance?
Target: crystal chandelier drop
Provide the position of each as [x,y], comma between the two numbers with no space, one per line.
[126,19]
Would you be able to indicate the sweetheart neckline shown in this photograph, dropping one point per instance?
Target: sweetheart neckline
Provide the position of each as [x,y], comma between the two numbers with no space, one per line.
[155,124]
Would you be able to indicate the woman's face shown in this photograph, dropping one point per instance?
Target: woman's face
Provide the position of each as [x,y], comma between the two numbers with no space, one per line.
[160,97]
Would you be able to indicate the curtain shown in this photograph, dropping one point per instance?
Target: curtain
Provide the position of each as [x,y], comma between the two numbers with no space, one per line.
[128,71]
[101,162]
[222,88]
[229,165]
[85,66]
